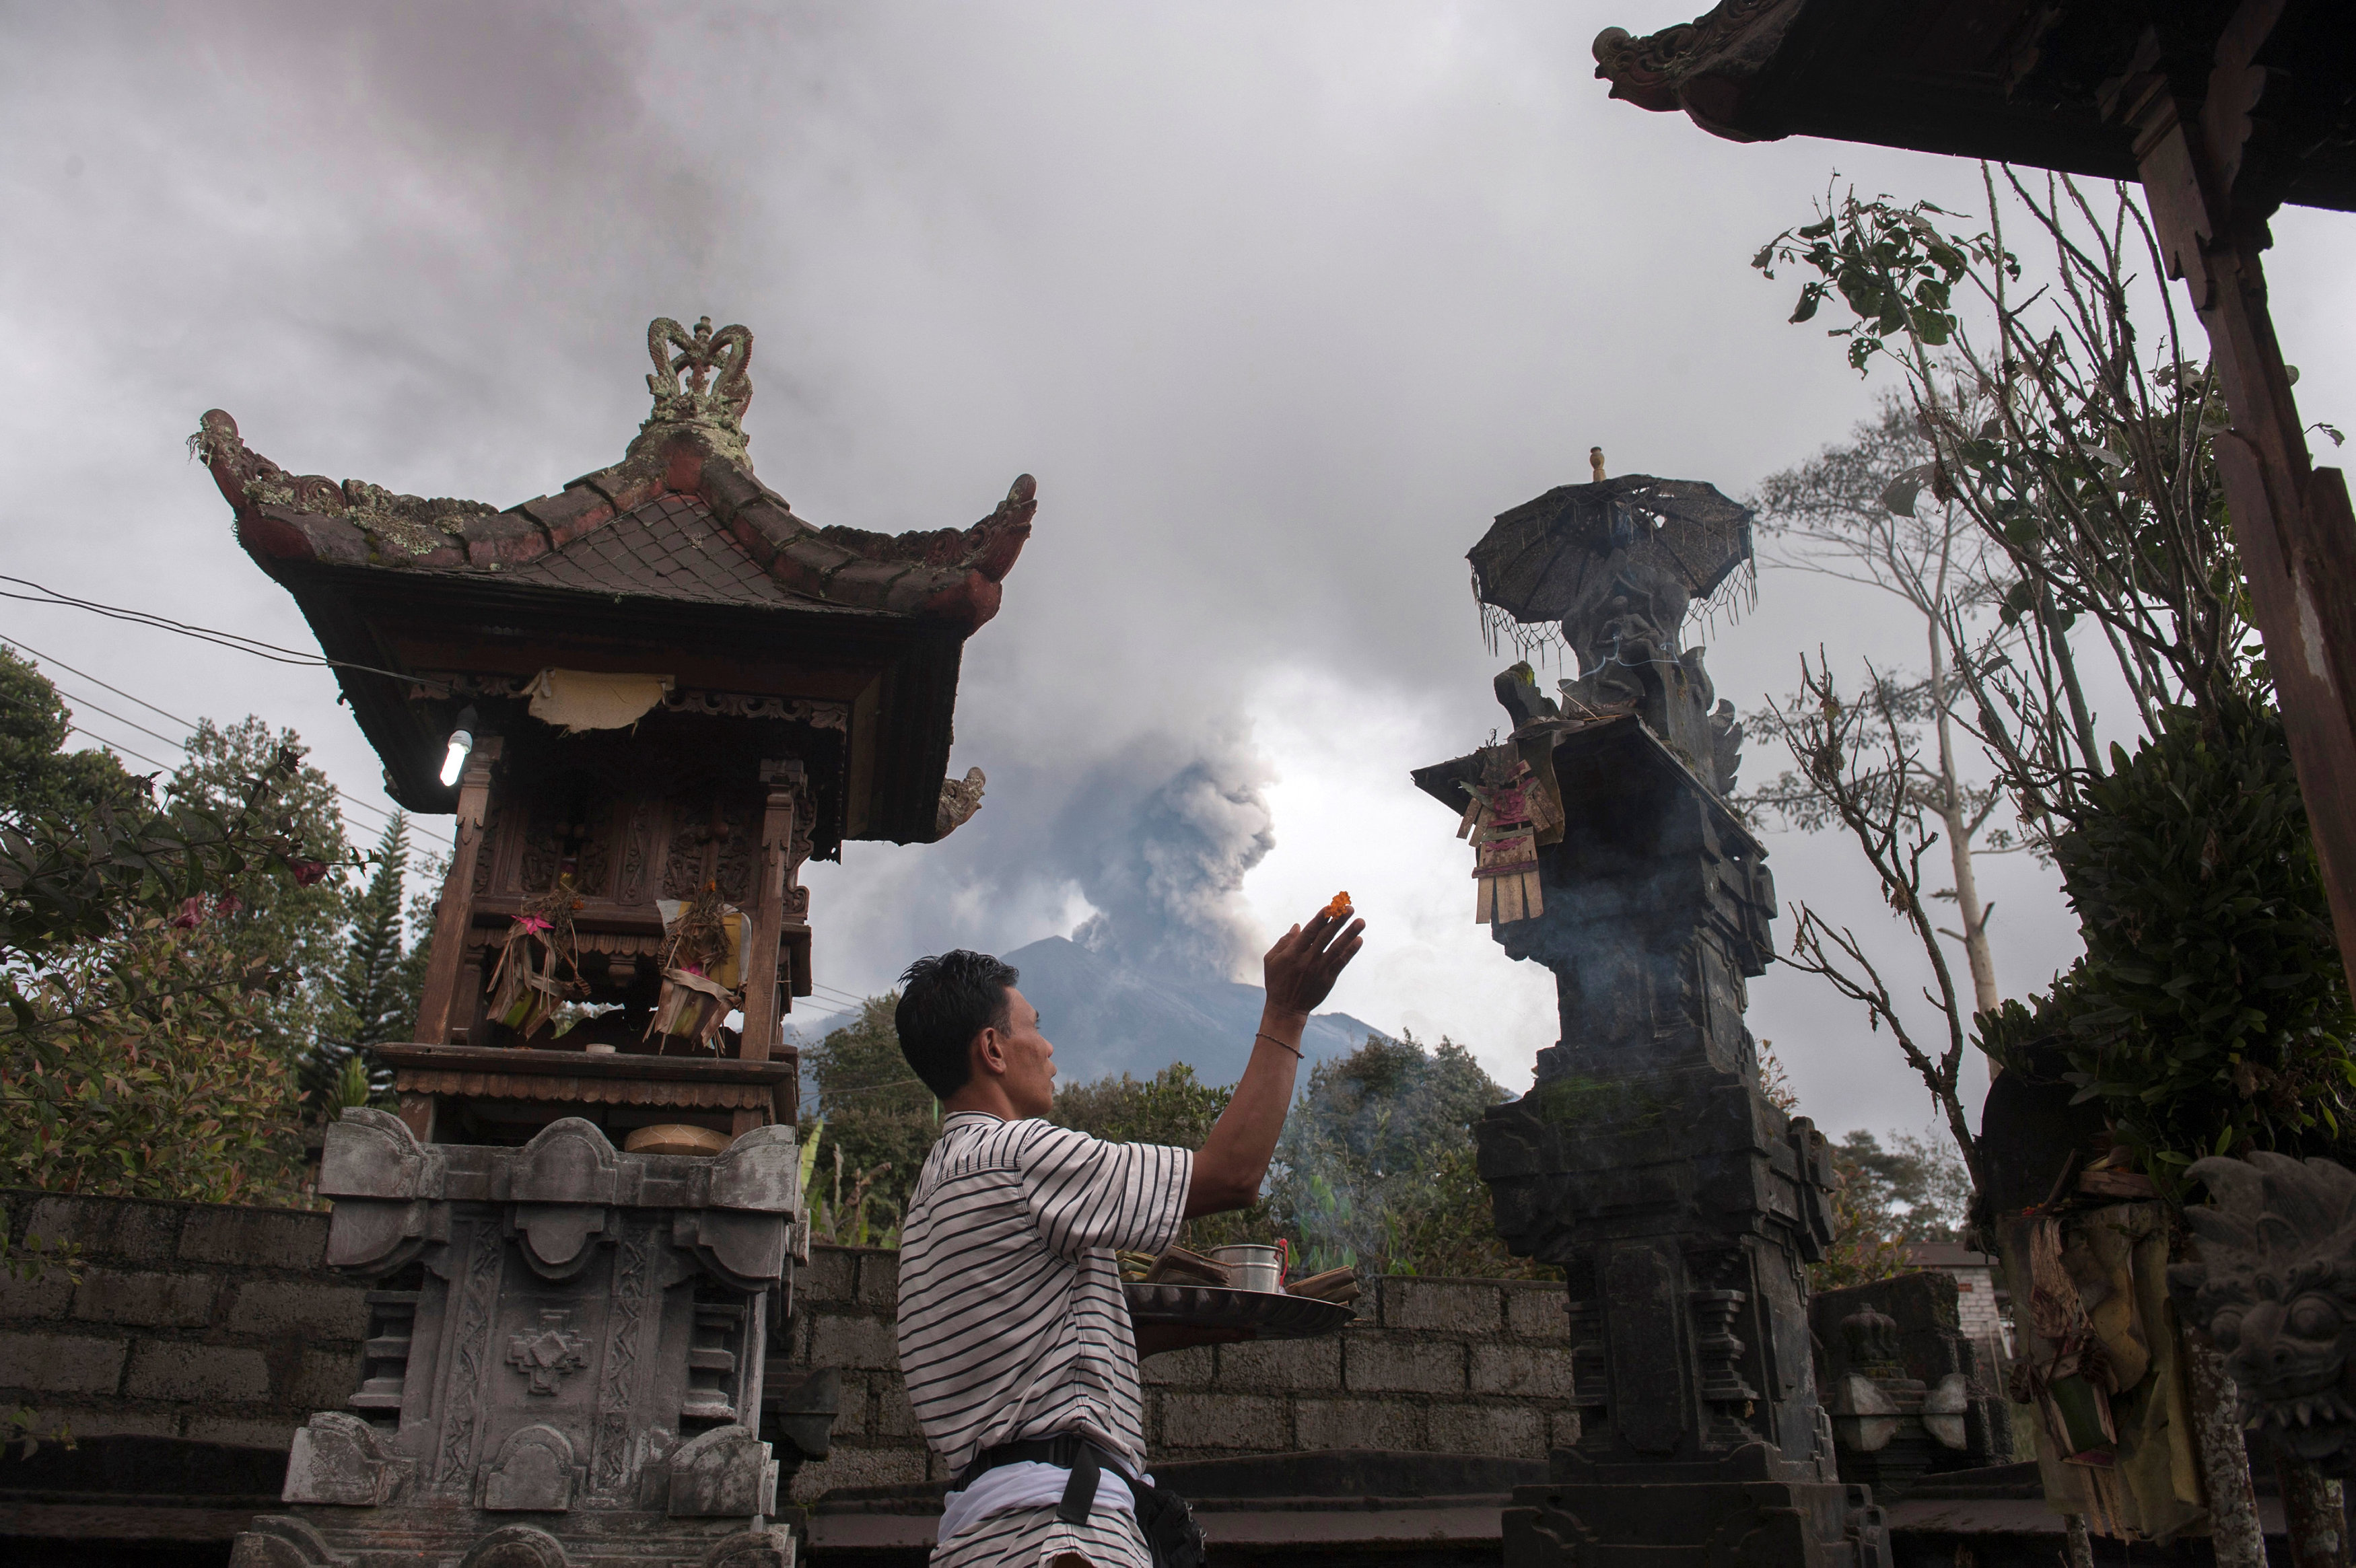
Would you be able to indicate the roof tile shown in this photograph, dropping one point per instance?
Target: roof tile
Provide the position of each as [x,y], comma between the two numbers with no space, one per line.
[668,548]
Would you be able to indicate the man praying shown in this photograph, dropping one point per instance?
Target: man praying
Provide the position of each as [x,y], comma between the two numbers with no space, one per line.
[1014,1335]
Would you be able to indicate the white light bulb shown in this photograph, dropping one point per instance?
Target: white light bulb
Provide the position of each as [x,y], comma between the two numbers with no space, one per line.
[461,743]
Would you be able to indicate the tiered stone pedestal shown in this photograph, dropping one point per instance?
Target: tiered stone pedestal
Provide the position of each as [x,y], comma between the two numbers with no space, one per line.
[564,1359]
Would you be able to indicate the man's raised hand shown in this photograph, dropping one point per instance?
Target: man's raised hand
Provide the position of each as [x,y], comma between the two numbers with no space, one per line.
[1301,967]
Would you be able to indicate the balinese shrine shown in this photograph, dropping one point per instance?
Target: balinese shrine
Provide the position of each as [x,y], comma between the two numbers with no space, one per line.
[648,698]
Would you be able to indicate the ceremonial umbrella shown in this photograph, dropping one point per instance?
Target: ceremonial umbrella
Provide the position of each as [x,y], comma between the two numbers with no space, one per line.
[1565,555]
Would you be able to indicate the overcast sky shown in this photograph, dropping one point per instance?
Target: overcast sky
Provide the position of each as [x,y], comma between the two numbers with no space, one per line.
[1280,303]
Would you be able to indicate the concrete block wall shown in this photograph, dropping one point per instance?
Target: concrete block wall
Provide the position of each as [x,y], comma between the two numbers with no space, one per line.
[192,1321]
[1462,1366]
[223,1324]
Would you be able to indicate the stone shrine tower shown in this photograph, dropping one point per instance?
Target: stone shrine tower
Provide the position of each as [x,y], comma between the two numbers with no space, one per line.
[648,699]
[1644,1160]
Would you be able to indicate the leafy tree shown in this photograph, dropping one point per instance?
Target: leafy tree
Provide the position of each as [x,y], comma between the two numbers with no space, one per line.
[375,997]
[875,1123]
[133,1055]
[164,1086]
[1864,1246]
[296,926]
[1375,1165]
[1913,1190]
[1173,1107]
[1855,513]
[38,777]
[2079,439]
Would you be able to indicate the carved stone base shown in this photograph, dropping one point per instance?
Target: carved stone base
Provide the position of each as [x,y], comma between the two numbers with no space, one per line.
[1733,1515]
[414,1536]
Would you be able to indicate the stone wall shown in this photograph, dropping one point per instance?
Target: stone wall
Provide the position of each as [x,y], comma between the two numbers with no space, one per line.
[1465,1366]
[193,1321]
[221,1324]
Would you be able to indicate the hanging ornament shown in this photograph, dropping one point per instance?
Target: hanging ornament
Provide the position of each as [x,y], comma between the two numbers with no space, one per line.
[526,988]
[1507,813]
[702,968]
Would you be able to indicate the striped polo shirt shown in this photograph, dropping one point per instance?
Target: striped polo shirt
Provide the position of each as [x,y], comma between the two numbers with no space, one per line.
[1012,1324]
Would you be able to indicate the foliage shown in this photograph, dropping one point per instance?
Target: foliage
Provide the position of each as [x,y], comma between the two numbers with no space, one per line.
[2089,470]
[162,1085]
[875,1123]
[1375,1165]
[1914,1190]
[375,995]
[1173,1107]
[136,1056]
[1864,1248]
[1853,513]
[2209,1010]
[1884,1199]
[296,927]
[39,778]
[63,882]
[2209,1013]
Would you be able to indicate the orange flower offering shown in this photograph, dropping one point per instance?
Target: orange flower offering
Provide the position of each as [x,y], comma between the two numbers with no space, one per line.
[1340,908]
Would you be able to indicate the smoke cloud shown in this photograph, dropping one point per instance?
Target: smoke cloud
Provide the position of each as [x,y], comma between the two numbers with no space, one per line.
[1163,863]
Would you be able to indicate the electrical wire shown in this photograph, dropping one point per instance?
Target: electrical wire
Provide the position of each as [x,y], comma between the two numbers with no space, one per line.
[40,657]
[43,658]
[116,746]
[233,641]
[118,718]
[143,729]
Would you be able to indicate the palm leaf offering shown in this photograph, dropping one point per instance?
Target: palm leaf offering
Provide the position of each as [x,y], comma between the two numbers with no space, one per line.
[700,963]
[526,990]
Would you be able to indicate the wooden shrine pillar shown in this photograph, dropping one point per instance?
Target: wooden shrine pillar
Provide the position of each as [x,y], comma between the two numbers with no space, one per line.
[453,915]
[2292,521]
[764,985]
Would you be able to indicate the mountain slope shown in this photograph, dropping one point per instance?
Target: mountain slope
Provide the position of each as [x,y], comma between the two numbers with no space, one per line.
[1107,1019]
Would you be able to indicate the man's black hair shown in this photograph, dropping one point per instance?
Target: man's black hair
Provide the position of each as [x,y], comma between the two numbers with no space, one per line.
[945,1001]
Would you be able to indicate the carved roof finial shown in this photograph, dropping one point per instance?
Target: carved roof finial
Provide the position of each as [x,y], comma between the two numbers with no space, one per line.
[722,360]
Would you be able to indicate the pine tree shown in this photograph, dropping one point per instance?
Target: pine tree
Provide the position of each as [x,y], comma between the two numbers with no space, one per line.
[373,999]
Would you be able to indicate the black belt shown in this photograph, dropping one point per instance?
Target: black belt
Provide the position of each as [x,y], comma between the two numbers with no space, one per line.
[1082,1458]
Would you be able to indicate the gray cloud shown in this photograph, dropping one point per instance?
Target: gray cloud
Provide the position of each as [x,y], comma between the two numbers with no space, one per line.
[1280,305]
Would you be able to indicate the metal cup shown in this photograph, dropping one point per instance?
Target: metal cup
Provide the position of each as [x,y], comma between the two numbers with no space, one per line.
[1251,1268]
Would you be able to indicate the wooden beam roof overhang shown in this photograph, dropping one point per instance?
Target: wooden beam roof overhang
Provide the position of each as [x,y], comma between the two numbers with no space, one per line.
[675,561]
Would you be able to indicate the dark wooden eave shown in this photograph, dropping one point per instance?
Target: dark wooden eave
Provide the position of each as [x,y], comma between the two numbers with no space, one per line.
[2021,81]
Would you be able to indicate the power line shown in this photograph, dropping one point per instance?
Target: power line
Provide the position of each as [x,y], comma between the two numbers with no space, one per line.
[233,641]
[177,745]
[43,658]
[118,718]
[40,657]
[116,746]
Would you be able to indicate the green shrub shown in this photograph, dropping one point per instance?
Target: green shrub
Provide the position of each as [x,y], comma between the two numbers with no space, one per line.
[2209,1013]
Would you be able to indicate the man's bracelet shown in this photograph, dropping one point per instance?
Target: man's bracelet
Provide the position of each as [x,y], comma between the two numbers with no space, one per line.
[1263,1034]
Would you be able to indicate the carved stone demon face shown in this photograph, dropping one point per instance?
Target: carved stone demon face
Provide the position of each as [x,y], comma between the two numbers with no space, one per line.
[2275,1287]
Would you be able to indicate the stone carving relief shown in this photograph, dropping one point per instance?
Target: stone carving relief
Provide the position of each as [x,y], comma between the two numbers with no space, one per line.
[2274,1285]
[960,798]
[549,1379]
[550,1353]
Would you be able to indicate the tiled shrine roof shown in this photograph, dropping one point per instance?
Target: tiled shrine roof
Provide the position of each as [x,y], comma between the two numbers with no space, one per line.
[681,517]
[670,547]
